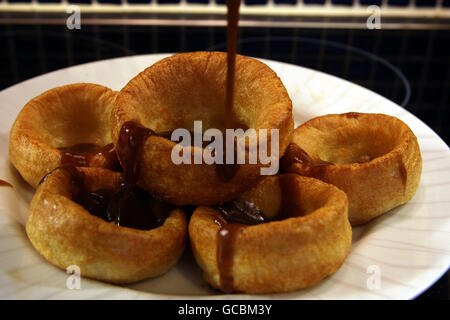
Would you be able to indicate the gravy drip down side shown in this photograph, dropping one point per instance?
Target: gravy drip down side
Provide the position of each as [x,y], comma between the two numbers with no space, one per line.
[131,205]
[225,254]
[236,216]
[130,145]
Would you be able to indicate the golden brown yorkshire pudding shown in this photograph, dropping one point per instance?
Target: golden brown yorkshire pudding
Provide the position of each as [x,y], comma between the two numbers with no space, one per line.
[64,125]
[374,158]
[66,234]
[308,240]
[180,89]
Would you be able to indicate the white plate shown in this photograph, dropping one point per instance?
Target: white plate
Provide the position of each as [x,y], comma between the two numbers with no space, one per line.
[408,247]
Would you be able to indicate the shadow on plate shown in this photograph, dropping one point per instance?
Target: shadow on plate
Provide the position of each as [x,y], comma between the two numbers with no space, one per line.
[184,279]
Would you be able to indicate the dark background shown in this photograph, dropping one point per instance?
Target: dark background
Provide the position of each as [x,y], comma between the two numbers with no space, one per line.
[375,59]
[421,55]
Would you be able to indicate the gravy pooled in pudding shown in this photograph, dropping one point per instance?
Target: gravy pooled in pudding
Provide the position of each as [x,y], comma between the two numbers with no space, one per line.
[127,205]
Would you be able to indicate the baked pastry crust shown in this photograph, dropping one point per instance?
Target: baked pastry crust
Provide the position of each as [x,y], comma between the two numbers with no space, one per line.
[60,117]
[65,234]
[180,89]
[284,255]
[377,160]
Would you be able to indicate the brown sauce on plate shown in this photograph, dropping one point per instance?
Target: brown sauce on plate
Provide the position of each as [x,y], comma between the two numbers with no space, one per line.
[4,183]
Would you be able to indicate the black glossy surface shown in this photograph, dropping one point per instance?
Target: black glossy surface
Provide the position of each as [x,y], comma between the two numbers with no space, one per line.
[400,3]
[370,2]
[342,2]
[314,2]
[198,1]
[291,2]
[255,2]
[80,1]
[139,1]
[425,3]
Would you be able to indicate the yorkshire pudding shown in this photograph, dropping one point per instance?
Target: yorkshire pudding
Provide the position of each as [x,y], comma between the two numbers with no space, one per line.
[307,240]
[180,89]
[374,158]
[53,128]
[66,234]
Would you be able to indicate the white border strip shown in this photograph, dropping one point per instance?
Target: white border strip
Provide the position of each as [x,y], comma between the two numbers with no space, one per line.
[299,10]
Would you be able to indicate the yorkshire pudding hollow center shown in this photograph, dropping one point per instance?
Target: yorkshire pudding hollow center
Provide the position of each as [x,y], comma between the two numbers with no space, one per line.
[110,199]
[72,115]
[349,138]
[273,199]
